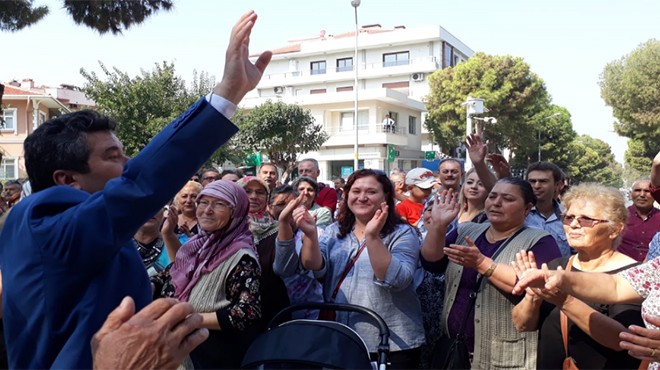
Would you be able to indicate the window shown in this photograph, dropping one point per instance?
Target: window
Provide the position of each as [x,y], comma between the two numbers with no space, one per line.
[412,125]
[396,59]
[9,117]
[317,91]
[344,64]
[447,55]
[346,123]
[318,68]
[345,88]
[8,169]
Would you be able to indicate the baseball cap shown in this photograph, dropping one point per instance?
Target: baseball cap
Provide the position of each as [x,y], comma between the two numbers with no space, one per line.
[421,177]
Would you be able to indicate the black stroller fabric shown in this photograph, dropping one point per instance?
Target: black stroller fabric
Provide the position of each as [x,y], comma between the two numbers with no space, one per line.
[306,344]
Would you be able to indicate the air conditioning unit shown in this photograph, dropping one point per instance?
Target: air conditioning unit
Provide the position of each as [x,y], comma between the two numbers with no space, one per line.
[278,89]
[418,77]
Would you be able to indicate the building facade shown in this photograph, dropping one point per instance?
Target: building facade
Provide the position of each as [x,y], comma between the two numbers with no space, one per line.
[24,108]
[393,66]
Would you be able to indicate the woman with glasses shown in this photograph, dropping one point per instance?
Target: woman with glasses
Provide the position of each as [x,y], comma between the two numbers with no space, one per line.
[218,273]
[377,252]
[475,258]
[594,221]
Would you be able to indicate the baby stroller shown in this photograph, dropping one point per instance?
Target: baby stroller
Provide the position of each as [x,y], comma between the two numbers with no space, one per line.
[307,344]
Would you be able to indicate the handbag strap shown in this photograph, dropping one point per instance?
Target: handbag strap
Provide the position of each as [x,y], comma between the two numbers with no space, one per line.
[346,270]
[562,316]
[473,294]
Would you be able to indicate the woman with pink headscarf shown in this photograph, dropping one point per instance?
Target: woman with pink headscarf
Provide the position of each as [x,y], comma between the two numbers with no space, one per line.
[217,271]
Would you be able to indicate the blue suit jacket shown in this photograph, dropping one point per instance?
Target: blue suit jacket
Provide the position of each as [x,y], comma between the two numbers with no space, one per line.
[66,255]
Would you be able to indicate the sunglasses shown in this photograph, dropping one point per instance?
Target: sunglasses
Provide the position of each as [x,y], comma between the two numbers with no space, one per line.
[583,221]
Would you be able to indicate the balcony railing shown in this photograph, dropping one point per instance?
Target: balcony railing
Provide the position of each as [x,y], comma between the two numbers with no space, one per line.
[376,128]
[422,62]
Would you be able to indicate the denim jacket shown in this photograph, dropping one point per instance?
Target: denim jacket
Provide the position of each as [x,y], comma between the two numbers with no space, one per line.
[393,298]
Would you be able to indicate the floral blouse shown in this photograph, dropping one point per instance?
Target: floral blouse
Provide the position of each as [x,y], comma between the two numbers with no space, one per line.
[242,290]
[645,279]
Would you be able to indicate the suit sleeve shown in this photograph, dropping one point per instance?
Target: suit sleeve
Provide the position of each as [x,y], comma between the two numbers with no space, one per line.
[96,228]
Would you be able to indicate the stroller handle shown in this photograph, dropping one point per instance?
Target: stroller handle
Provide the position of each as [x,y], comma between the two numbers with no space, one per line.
[384,331]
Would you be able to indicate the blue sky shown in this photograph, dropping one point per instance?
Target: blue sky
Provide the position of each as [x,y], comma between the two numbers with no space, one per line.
[567,43]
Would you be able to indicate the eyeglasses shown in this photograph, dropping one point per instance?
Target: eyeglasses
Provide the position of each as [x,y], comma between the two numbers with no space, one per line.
[583,221]
[210,178]
[216,206]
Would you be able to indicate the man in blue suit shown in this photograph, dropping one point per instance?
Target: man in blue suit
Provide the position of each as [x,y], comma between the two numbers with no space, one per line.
[65,251]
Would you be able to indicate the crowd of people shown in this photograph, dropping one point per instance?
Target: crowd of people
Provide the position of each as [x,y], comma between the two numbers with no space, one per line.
[106,265]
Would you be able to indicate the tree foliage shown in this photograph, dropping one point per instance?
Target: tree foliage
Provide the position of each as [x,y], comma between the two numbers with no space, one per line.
[280,130]
[556,135]
[103,16]
[511,91]
[143,105]
[631,87]
[593,161]
[18,14]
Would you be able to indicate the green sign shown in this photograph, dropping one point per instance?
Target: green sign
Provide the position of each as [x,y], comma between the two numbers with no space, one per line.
[253,159]
[391,152]
[429,155]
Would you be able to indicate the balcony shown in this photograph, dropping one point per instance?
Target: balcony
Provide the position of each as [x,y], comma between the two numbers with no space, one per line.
[373,133]
[370,70]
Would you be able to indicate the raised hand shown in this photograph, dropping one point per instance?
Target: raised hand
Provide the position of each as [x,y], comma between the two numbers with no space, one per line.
[445,208]
[500,165]
[241,75]
[375,225]
[477,149]
[287,213]
[304,221]
[171,221]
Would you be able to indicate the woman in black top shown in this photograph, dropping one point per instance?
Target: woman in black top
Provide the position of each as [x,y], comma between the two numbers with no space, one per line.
[594,220]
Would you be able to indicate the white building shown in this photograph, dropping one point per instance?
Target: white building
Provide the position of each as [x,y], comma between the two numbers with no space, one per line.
[393,67]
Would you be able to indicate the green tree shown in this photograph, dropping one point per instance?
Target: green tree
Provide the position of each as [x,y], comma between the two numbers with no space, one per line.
[593,161]
[280,130]
[103,16]
[554,129]
[511,91]
[630,85]
[143,105]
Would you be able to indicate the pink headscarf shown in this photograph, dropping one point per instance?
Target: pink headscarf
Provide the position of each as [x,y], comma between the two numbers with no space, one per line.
[205,251]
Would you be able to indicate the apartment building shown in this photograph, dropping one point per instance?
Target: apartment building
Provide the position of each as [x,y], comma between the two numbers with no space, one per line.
[393,66]
[24,108]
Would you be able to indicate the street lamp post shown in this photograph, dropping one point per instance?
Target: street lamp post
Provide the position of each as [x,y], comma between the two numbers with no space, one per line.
[544,118]
[356,160]
[473,106]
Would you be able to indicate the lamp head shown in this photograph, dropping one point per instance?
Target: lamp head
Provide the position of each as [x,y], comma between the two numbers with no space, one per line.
[355,3]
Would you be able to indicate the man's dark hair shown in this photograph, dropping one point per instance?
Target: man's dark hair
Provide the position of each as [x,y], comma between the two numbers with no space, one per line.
[268,164]
[308,180]
[281,190]
[524,186]
[210,169]
[61,144]
[236,172]
[557,173]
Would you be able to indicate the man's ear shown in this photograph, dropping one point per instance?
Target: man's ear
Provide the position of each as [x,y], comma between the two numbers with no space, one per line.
[66,177]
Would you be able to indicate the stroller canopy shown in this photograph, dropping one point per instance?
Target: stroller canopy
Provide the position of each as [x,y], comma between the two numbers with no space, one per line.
[305,344]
